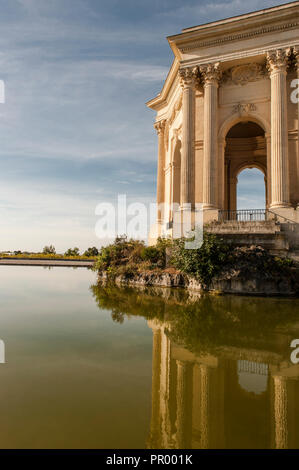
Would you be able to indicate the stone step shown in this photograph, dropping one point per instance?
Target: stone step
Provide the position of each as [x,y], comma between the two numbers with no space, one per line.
[234,226]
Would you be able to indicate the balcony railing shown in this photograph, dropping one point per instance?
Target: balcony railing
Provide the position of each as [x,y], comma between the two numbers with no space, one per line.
[243,215]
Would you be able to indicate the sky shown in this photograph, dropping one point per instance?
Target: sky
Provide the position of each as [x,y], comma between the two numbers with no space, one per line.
[74,128]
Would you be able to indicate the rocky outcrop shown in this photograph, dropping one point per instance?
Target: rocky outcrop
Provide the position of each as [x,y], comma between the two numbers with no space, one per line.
[251,271]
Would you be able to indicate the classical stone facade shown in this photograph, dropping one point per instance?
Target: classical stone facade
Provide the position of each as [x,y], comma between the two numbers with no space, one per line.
[229,103]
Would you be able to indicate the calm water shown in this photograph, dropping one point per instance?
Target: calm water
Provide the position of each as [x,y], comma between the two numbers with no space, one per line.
[121,368]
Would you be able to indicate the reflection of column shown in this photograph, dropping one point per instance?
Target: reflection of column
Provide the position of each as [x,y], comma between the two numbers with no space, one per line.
[160,128]
[188,79]
[164,390]
[210,74]
[280,412]
[204,405]
[196,411]
[277,65]
[156,371]
[181,403]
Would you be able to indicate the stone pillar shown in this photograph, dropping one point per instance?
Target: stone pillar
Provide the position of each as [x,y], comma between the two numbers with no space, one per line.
[280,412]
[221,174]
[160,128]
[188,78]
[277,66]
[268,180]
[296,54]
[210,74]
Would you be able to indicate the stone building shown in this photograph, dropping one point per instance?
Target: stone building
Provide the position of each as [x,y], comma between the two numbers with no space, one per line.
[229,102]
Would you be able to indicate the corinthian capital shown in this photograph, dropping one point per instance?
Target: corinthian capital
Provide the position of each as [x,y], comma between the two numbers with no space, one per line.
[277,61]
[188,76]
[210,73]
[296,54]
[160,126]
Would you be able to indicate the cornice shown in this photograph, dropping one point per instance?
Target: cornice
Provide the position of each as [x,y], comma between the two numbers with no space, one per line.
[251,25]
[161,98]
[239,36]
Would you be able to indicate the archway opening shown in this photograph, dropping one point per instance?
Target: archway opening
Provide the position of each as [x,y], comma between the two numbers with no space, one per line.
[251,189]
[245,167]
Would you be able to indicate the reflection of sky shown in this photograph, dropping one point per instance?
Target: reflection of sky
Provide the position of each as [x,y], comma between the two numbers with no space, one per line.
[253,376]
[251,189]
[74,129]
[73,377]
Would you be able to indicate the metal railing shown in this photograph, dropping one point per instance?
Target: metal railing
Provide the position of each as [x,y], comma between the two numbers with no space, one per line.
[243,215]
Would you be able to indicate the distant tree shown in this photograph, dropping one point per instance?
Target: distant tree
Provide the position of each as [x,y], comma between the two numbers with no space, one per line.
[49,250]
[17,252]
[72,252]
[91,251]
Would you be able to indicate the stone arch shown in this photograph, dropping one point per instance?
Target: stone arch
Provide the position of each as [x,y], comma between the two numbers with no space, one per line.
[245,146]
[259,166]
[236,118]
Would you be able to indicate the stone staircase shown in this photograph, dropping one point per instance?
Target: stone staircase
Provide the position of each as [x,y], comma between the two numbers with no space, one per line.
[281,238]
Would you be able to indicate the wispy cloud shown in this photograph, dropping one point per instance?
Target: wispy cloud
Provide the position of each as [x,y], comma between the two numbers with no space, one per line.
[75,129]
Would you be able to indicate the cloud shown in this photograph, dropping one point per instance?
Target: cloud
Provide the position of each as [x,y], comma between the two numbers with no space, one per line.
[75,130]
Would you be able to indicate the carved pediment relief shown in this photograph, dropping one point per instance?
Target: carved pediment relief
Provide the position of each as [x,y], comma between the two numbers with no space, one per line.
[244,108]
[242,74]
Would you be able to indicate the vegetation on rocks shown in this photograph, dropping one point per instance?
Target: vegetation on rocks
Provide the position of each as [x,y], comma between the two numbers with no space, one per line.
[213,261]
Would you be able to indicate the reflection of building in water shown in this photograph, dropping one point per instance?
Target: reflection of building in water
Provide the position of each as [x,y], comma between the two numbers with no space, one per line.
[240,399]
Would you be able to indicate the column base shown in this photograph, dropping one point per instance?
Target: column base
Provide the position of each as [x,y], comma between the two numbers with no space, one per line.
[280,205]
[210,214]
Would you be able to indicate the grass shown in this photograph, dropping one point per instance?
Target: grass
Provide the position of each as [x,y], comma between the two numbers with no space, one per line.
[46,256]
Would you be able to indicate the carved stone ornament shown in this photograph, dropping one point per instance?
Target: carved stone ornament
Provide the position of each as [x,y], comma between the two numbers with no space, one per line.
[210,73]
[242,74]
[188,76]
[296,53]
[244,108]
[278,60]
[160,126]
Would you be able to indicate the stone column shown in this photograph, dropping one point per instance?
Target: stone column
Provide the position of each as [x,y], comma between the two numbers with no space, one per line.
[268,186]
[280,412]
[160,128]
[277,66]
[188,78]
[221,174]
[296,54]
[210,74]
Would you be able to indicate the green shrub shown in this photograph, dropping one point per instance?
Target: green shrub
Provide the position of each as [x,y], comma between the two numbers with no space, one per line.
[72,252]
[49,250]
[91,251]
[202,263]
[150,253]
